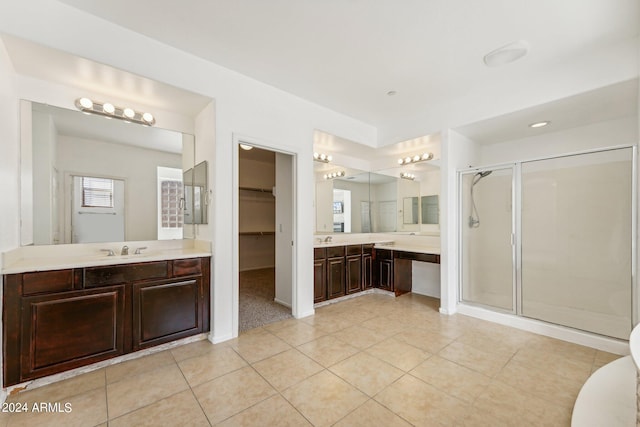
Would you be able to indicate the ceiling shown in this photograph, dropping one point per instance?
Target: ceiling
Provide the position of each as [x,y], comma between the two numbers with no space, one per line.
[348,54]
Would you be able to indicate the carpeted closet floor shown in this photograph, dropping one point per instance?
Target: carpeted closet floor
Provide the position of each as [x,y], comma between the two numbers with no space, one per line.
[256,306]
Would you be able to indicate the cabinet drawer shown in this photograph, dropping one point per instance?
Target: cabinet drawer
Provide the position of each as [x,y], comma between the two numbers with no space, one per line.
[47,281]
[354,250]
[124,273]
[367,249]
[335,251]
[187,267]
[319,253]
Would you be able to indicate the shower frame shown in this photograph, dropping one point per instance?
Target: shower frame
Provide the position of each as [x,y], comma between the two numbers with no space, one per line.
[516,227]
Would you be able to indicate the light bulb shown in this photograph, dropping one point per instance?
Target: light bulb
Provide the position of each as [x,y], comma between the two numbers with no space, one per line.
[128,112]
[400,161]
[316,155]
[407,159]
[86,103]
[329,158]
[147,117]
[108,108]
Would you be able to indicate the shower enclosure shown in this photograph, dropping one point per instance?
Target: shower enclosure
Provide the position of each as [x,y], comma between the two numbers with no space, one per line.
[551,239]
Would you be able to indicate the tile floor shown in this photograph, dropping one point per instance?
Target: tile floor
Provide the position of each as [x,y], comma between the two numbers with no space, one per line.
[374,360]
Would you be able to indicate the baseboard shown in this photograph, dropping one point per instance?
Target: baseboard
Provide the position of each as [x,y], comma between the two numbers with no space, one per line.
[564,333]
[3,396]
[220,338]
[305,314]
[279,301]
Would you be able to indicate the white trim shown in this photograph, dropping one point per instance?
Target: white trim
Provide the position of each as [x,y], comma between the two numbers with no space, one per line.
[219,339]
[284,303]
[564,333]
[235,226]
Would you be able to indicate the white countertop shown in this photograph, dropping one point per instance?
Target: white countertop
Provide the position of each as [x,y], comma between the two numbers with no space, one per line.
[409,248]
[59,257]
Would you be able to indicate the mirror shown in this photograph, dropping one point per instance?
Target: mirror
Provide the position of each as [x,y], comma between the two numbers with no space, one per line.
[342,203]
[88,179]
[430,209]
[410,210]
[196,195]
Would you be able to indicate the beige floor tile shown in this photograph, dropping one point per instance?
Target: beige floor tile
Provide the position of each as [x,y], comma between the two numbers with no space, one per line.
[232,393]
[562,348]
[399,354]
[324,398]
[420,403]
[194,349]
[480,361]
[299,333]
[541,383]
[328,323]
[286,369]
[359,336]
[384,325]
[148,387]
[181,409]
[488,344]
[276,326]
[558,364]
[327,350]
[517,407]
[275,411]
[369,374]
[213,364]
[370,414]
[138,366]
[424,339]
[453,379]
[258,344]
[63,389]
[86,409]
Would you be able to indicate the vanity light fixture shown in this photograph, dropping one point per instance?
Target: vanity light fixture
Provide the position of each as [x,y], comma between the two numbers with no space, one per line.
[321,157]
[333,175]
[415,159]
[111,111]
[246,147]
[407,175]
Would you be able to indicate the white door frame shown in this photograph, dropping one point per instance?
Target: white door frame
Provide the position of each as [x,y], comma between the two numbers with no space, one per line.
[235,225]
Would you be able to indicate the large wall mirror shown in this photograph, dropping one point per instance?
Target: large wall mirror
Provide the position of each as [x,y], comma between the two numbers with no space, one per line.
[88,179]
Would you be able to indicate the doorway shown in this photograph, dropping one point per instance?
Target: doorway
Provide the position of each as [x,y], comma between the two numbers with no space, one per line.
[265,236]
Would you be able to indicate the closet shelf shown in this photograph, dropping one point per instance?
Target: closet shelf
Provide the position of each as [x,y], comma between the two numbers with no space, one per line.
[257,190]
[257,233]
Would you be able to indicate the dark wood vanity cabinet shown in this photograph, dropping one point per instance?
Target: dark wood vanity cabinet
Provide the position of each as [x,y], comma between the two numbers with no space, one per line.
[367,266]
[335,272]
[59,320]
[319,275]
[353,272]
[384,262]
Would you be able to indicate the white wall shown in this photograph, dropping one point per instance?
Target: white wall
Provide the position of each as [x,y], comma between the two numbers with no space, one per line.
[458,152]
[9,167]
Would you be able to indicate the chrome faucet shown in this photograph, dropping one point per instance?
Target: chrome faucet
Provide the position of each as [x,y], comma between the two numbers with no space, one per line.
[108,251]
[125,250]
[138,250]
[327,239]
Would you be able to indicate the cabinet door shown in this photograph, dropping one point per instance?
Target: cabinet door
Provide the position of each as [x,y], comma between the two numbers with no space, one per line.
[354,274]
[386,274]
[165,311]
[319,280]
[367,271]
[335,277]
[71,329]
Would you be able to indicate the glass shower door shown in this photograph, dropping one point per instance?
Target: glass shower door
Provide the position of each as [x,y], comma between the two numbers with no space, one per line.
[576,241]
[487,252]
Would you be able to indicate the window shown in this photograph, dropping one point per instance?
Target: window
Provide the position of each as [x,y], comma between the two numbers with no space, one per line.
[172,198]
[97,192]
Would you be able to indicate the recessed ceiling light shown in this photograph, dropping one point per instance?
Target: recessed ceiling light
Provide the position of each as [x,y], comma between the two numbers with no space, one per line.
[391,93]
[506,54]
[539,124]
[246,147]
